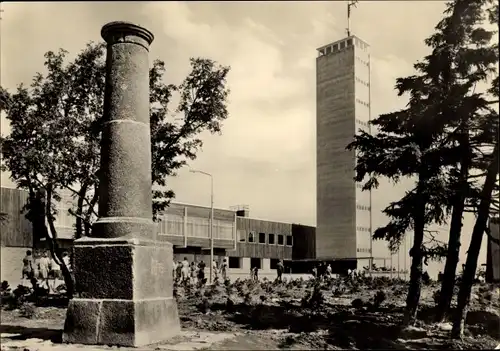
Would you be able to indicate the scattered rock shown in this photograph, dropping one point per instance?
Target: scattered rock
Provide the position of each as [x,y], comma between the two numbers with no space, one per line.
[444,326]
[412,328]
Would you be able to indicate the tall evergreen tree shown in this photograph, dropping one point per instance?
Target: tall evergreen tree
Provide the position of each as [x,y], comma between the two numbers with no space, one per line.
[438,138]
[488,205]
[405,146]
[463,57]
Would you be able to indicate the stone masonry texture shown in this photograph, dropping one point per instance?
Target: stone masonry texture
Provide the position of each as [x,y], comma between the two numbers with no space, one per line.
[123,274]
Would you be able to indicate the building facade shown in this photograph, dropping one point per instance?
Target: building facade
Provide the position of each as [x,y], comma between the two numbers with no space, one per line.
[16,233]
[243,241]
[344,211]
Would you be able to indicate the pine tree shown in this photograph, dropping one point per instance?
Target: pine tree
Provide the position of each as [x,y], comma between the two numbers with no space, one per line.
[484,212]
[437,138]
[466,58]
[405,146]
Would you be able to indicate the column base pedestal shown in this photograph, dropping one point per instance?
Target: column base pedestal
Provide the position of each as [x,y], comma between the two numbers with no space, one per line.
[121,322]
[125,293]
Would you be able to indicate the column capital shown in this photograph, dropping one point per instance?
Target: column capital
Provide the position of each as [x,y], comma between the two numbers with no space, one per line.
[118,31]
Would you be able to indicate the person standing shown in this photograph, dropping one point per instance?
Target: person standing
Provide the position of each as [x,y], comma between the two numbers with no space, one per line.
[44,265]
[328,270]
[185,270]
[215,269]
[279,270]
[28,268]
[255,271]
[201,272]
[178,271]
[54,273]
[192,273]
[223,270]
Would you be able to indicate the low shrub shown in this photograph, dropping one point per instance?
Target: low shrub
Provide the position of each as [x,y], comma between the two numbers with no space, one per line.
[27,310]
[379,298]
[15,299]
[314,299]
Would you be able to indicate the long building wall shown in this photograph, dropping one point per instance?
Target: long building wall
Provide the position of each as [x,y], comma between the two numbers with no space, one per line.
[263,239]
[244,242]
[15,228]
[186,226]
[189,225]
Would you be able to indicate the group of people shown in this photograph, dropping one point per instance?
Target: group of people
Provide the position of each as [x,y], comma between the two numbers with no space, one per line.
[280,269]
[186,272]
[43,268]
[322,270]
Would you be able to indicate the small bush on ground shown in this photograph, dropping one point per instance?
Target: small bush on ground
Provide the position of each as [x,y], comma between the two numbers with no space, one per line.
[379,298]
[27,310]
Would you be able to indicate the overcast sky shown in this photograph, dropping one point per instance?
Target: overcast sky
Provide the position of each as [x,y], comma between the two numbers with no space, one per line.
[265,157]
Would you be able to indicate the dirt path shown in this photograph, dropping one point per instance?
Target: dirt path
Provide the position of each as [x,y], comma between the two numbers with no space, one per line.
[274,317]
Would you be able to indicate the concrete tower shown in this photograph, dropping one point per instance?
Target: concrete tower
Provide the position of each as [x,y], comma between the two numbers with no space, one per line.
[344,217]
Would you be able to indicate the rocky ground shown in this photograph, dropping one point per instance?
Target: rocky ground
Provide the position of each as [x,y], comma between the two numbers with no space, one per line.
[338,314]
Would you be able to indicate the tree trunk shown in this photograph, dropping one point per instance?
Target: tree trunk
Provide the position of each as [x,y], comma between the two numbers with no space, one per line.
[475,247]
[416,253]
[79,211]
[53,246]
[452,258]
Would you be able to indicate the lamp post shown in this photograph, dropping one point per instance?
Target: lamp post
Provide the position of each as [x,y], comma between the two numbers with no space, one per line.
[211,225]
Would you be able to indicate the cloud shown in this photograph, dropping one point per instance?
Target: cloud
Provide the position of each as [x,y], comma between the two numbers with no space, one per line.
[251,50]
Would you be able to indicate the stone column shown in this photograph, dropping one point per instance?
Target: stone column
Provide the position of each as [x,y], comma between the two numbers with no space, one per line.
[123,275]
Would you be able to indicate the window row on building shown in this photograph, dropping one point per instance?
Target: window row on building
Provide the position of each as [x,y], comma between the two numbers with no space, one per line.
[361,81]
[268,238]
[362,103]
[363,250]
[345,44]
[237,262]
[360,122]
[362,61]
[363,229]
[363,208]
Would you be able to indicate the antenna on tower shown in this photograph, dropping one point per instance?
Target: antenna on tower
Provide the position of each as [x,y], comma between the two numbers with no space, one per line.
[350,3]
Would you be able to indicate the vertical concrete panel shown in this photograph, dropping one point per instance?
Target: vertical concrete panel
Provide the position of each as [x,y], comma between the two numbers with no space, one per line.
[266,264]
[245,264]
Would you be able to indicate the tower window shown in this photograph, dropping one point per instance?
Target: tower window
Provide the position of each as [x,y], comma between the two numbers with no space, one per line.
[349,42]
